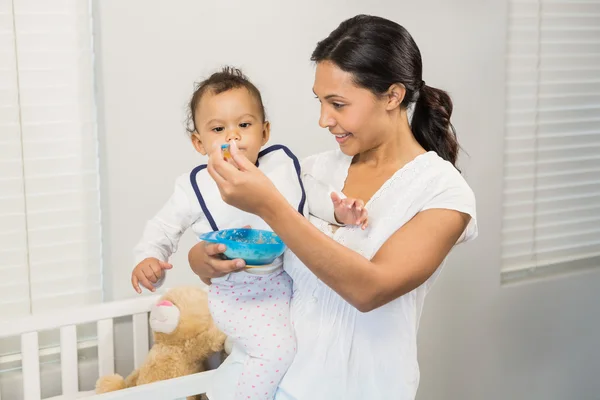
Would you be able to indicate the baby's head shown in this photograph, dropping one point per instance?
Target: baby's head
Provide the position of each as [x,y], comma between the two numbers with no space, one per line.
[224,107]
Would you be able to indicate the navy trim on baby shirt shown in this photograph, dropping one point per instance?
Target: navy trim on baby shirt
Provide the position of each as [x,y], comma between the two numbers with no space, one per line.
[264,152]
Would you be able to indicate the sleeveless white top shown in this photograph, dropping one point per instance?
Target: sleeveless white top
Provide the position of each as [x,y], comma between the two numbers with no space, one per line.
[346,354]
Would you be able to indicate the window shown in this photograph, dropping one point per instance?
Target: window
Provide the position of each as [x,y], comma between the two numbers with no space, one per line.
[50,244]
[552,148]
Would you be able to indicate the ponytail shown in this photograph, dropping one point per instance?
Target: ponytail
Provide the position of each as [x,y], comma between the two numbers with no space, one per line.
[431,124]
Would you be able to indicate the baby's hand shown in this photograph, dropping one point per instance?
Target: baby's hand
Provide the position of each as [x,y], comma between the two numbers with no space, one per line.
[350,211]
[147,272]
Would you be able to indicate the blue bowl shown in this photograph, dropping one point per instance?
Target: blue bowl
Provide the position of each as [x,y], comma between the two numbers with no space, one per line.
[255,246]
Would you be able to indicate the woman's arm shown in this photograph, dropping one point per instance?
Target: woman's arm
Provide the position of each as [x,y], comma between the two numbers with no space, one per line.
[406,260]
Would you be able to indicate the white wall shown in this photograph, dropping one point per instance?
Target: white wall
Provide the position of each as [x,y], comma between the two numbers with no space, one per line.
[478,340]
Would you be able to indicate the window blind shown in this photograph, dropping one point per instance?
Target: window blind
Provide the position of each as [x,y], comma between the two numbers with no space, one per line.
[50,237]
[551,215]
[14,271]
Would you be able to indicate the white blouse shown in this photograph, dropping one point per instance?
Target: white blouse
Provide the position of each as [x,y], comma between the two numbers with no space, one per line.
[346,354]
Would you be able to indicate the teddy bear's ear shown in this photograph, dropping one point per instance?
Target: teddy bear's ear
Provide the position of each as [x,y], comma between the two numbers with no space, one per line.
[164,317]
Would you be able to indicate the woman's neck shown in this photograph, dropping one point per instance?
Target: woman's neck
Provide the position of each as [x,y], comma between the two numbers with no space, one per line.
[400,148]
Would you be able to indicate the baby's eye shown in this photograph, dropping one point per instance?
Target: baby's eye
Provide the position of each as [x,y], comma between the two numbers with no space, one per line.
[218,129]
[245,124]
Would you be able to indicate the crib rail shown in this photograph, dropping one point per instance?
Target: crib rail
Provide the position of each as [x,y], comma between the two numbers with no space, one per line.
[177,388]
[76,316]
[29,327]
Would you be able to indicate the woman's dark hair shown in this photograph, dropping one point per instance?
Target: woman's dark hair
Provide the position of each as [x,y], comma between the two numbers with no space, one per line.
[227,79]
[379,53]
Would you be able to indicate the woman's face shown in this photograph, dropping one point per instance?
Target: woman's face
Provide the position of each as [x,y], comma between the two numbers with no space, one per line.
[357,117]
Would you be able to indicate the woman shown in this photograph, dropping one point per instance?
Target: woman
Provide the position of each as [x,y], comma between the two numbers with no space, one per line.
[358,294]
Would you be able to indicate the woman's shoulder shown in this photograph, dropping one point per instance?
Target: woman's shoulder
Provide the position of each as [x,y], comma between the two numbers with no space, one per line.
[443,173]
[445,176]
[430,177]
[427,182]
[424,181]
[448,189]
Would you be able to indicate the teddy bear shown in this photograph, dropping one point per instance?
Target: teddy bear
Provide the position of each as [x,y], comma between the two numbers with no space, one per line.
[185,336]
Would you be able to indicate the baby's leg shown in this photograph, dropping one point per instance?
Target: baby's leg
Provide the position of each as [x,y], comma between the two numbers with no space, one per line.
[270,350]
[254,310]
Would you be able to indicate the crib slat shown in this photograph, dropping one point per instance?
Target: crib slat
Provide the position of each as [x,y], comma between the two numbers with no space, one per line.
[140,338]
[68,360]
[31,366]
[106,347]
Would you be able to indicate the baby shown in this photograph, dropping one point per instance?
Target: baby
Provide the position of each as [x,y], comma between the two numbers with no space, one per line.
[250,306]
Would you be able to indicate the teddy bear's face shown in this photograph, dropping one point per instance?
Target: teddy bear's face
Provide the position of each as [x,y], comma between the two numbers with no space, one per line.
[164,317]
[181,314]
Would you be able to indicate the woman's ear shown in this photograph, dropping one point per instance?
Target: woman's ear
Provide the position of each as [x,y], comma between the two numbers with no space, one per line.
[395,96]
[198,145]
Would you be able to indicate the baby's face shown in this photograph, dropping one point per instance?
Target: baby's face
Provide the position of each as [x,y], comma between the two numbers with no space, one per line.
[231,115]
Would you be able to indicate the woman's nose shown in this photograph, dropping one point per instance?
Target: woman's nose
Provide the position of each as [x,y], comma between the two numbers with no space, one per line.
[325,121]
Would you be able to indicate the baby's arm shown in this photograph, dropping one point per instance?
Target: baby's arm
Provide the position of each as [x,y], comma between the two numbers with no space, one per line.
[161,237]
[327,204]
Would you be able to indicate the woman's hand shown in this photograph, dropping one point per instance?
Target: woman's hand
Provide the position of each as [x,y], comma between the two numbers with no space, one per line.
[206,261]
[244,187]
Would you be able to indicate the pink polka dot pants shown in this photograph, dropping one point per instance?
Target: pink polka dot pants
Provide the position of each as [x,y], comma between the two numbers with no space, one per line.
[254,310]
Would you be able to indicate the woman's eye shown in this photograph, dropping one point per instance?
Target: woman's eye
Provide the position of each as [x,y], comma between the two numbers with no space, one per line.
[245,124]
[338,105]
[218,129]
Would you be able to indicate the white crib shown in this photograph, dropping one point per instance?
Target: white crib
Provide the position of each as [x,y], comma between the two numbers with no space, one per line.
[29,328]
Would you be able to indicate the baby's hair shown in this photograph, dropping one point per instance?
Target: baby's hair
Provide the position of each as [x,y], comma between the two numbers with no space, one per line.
[227,79]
